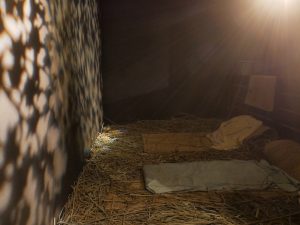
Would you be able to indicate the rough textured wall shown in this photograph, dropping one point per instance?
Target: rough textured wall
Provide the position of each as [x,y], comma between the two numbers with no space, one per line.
[50,102]
[77,45]
[77,37]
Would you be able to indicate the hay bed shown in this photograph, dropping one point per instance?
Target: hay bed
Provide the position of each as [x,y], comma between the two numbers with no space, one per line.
[110,189]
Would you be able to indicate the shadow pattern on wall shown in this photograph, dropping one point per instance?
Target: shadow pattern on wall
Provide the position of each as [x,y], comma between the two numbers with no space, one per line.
[50,102]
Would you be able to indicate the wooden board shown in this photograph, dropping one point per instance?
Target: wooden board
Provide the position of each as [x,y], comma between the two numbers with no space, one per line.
[172,142]
[261,92]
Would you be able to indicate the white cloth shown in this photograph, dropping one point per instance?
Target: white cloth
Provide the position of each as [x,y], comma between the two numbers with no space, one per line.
[216,175]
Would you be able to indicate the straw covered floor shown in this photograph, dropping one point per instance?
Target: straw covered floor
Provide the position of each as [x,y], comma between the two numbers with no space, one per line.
[111,190]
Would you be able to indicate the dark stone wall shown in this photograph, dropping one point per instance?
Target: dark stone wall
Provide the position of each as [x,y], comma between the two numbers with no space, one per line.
[165,57]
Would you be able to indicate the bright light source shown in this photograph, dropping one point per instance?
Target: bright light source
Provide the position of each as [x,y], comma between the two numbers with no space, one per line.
[274,6]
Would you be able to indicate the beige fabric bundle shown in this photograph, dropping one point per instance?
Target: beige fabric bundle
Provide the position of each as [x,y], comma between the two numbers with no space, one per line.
[233,132]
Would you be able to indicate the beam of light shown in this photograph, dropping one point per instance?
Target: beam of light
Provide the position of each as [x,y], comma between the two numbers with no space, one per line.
[275,6]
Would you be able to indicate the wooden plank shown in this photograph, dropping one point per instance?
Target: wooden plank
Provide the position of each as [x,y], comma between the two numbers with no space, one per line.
[175,142]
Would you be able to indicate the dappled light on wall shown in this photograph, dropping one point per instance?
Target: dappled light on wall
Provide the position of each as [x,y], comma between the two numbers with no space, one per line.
[36,92]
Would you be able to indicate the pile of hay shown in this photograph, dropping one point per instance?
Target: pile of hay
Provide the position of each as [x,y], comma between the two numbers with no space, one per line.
[110,189]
